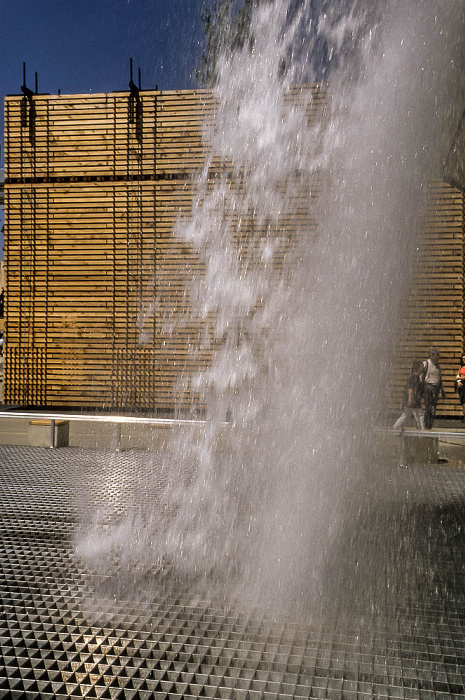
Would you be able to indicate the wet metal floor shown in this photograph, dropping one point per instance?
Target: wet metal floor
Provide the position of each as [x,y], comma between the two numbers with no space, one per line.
[395,629]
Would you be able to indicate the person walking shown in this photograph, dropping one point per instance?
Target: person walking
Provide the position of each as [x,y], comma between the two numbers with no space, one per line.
[412,398]
[460,383]
[432,382]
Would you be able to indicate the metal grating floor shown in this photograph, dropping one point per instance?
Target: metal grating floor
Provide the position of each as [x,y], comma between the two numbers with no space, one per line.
[393,627]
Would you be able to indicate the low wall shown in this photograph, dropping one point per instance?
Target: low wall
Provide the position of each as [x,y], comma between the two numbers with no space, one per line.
[23,428]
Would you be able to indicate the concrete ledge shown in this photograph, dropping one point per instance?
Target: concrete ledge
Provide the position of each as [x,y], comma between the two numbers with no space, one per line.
[92,435]
[14,431]
[101,431]
[40,433]
[419,450]
[112,436]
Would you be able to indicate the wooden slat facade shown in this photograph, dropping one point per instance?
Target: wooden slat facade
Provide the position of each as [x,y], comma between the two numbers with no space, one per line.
[433,314]
[95,279]
[94,185]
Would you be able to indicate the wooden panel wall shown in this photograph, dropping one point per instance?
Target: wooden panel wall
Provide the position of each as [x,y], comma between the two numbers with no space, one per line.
[95,305]
[434,311]
[68,294]
[95,279]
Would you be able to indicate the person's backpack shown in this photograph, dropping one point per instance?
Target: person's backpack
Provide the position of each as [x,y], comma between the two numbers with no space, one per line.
[423,377]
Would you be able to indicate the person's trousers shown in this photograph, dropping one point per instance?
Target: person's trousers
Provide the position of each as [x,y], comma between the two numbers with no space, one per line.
[431,400]
[417,413]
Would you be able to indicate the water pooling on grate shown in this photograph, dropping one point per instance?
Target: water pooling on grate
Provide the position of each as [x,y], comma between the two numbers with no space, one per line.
[305,344]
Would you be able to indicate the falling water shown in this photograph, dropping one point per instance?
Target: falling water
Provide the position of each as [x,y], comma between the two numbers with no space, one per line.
[307,324]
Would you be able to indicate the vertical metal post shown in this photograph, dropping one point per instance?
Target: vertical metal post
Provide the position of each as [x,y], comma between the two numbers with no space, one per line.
[118,437]
[52,433]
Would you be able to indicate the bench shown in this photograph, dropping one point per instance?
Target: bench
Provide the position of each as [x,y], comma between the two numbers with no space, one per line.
[45,432]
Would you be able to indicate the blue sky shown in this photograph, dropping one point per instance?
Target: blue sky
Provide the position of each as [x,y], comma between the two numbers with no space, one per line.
[83,46]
